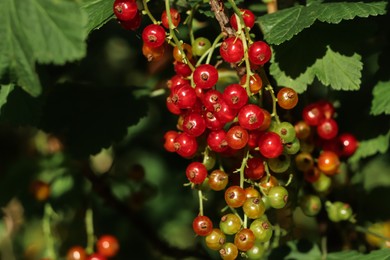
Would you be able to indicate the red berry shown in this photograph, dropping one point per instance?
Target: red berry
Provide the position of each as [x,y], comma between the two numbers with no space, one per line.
[194,124]
[327,128]
[237,137]
[169,138]
[182,68]
[153,54]
[248,17]
[196,172]
[211,98]
[235,196]
[213,122]
[185,145]
[270,145]
[235,96]
[76,253]
[175,16]
[96,256]
[132,24]
[287,98]
[205,76]
[255,82]
[125,10]
[259,53]
[250,117]
[232,50]
[348,143]
[312,114]
[177,80]
[184,96]
[107,245]
[202,225]
[153,35]
[254,168]
[328,162]
[216,140]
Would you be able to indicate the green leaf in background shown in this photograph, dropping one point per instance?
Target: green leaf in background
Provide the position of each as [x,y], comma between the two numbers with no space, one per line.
[284,24]
[99,12]
[371,147]
[45,31]
[338,71]
[5,90]
[380,254]
[381,100]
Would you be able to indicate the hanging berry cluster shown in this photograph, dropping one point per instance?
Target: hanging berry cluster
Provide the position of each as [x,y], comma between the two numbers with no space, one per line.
[231,133]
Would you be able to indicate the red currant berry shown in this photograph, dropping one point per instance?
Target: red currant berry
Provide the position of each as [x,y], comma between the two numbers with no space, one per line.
[216,140]
[153,54]
[270,145]
[177,54]
[169,138]
[255,82]
[267,182]
[254,168]
[153,35]
[175,16]
[132,24]
[185,145]
[235,96]
[247,15]
[287,98]
[212,122]
[312,114]
[228,251]
[177,80]
[107,245]
[235,196]
[327,128]
[196,172]
[211,98]
[230,224]
[259,53]
[348,143]
[205,76]
[278,197]
[96,256]
[184,96]
[224,112]
[237,137]
[232,50]
[182,69]
[327,108]
[202,225]
[76,253]
[250,117]
[302,130]
[215,239]
[194,124]
[254,207]
[218,180]
[312,174]
[125,10]
[328,162]
[200,46]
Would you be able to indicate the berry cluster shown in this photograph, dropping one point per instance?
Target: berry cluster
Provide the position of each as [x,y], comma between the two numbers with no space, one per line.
[107,246]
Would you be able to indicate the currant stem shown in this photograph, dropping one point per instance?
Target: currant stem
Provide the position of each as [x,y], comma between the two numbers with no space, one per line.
[214,46]
[271,91]
[174,37]
[200,197]
[90,231]
[147,11]
[46,225]
[367,231]
[242,169]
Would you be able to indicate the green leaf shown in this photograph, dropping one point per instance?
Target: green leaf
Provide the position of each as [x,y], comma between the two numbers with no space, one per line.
[381,101]
[338,71]
[45,31]
[99,12]
[5,90]
[284,24]
[371,147]
[380,254]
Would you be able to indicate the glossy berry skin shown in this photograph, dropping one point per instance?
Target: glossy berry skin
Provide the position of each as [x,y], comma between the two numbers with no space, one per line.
[96,256]
[254,169]
[218,180]
[182,69]
[237,137]
[327,108]
[244,239]
[259,53]
[312,114]
[200,46]
[177,80]
[185,145]
[228,251]
[232,50]
[107,245]
[217,141]
[230,224]
[196,172]
[235,196]
[184,96]
[177,54]
[125,10]
[250,117]
[76,253]
[211,99]
[270,145]
[278,197]
[235,96]
[302,130]
[202,225]
[327,128]
[224,112]
[348,144]
[175,16]
[132,24]
[287,98]
[153,54]
[215,239]
[248,17]
[153,35]
[194,124]
[212,121]
[328,162]
[267,185]
[255,82]
[262,229]
[254,208]
[205,76]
